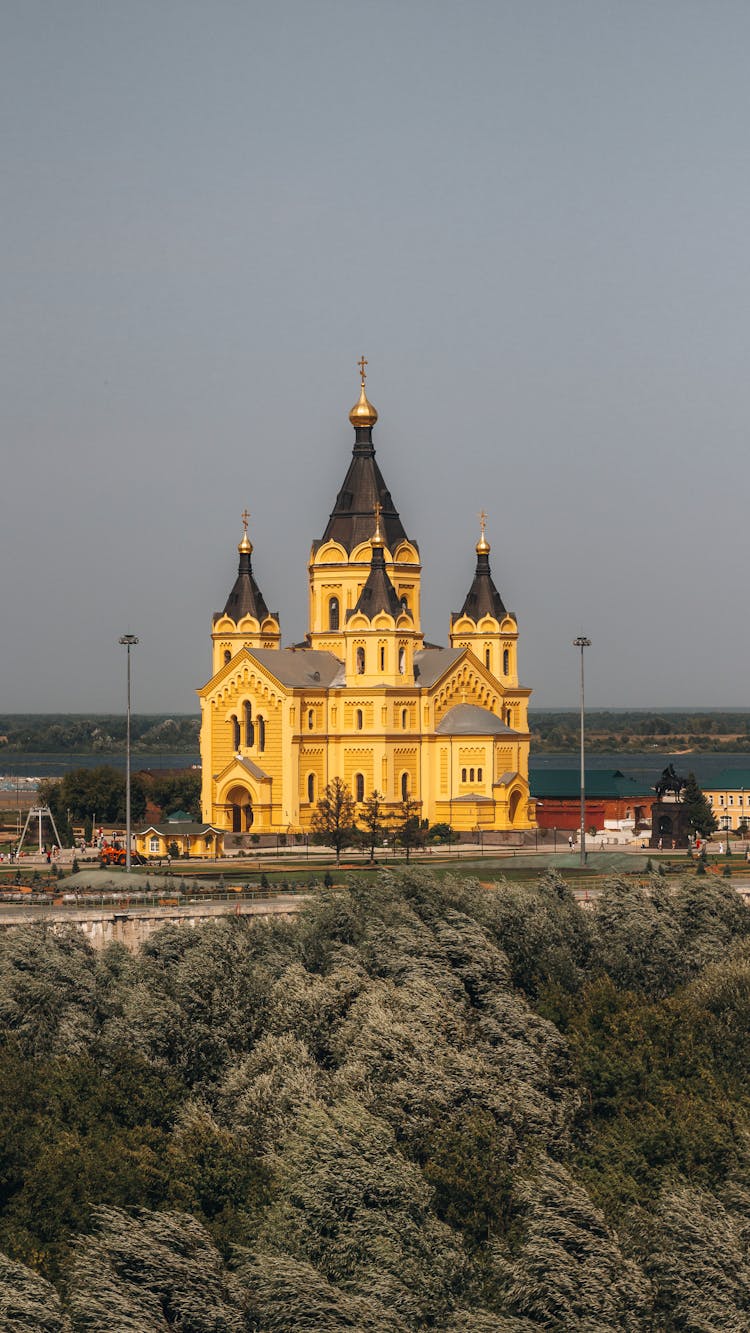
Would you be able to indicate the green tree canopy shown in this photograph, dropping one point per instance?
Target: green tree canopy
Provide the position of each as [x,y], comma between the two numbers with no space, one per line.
[698,810]
[333,821]
[374,821]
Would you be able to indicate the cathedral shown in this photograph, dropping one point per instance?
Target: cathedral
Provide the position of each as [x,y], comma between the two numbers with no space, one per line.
[364,698]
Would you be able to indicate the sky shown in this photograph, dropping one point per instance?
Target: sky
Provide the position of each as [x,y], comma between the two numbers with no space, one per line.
[532,218]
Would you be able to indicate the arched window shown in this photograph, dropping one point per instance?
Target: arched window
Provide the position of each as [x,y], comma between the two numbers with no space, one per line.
[404,602]
[359,787]
[235,721]
[404,717]
[227,656]
[261,733]
[359,719]
[479,775]
[404,786]
[333,612]
[507,717]
[471,775]
[487,658]
[402,660]
[382,657]
[360,661]
[311,787]
[506,662]
[247,710]
[463,774]
[310,719]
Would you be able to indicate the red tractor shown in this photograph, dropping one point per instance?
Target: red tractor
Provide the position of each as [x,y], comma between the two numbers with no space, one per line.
[112,855]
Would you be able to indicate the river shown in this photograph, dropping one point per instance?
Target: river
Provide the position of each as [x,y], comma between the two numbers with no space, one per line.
[646,765]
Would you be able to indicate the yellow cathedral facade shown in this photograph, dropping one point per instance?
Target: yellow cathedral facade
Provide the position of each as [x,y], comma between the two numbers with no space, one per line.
[364,698]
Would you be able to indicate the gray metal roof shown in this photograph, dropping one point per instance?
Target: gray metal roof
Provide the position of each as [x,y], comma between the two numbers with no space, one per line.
[430,663]
[254,771]
[299,669]
[470,720]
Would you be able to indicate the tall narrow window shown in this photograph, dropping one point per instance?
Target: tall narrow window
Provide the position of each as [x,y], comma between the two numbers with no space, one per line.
[310,719]
[261,733]
[359,786]
[479,775]
[247,710]
[311,787]
[507,717]
[227,656]
[236,741]
[359,719]
[506,662]
[333,613]
[382,658]
[360,661]
[463,774]
[404,786]
[404,718]
[487,658]
[402,660]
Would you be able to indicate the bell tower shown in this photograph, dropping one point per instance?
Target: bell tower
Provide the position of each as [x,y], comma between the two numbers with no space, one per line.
[340,562]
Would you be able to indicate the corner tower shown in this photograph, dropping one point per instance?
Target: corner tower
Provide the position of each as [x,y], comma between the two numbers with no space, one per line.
[484,625]
[340,562]
[245,621]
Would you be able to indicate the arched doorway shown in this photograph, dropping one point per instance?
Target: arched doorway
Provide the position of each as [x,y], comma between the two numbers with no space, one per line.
[513,804]
[240,804]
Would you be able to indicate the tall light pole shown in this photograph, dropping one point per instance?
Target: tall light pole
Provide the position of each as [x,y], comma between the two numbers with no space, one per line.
[582,643]
[129,641]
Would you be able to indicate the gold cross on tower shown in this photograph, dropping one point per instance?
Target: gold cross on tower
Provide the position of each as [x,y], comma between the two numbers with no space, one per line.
[245,516]
[482,520]
[362,363]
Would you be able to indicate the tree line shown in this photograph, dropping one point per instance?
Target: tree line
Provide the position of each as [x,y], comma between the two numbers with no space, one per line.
[85,795]
[420,1104]
[40,733]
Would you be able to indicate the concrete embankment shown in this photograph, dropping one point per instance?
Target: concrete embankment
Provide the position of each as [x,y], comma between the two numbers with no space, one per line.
[131,926]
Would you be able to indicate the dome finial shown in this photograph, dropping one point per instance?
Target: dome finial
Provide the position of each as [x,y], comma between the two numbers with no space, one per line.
[363,413]
[483,546]
[245,546]
[377,537]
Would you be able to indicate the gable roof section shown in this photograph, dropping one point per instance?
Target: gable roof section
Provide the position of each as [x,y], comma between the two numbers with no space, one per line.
[432,663]
[298,669]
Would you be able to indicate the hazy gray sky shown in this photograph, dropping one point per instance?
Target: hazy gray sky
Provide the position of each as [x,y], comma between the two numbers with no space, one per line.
[532,217]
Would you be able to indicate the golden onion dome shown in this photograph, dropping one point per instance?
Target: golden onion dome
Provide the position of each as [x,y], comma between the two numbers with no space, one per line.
[363,413]
[483,546]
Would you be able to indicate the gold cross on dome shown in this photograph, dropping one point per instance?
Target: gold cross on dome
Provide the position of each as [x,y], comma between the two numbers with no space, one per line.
[245,516]
[362,363]
[378,509]
[482,520]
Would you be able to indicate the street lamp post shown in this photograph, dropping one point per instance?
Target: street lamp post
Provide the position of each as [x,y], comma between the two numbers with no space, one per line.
[129,640]
[582,643]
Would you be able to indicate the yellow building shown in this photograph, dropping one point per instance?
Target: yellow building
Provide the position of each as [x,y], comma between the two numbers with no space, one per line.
[364,698]
[728,794]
